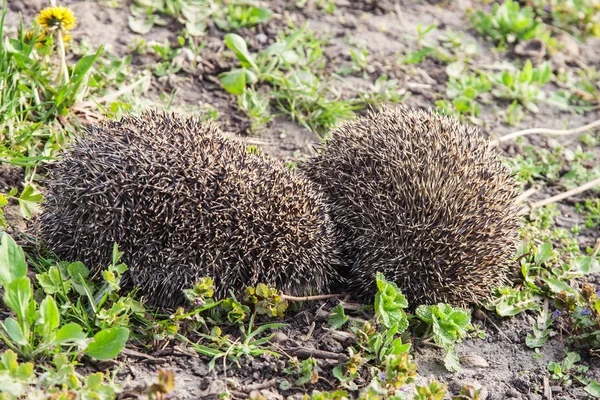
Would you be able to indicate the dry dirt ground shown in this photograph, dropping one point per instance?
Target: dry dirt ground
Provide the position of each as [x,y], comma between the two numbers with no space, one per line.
[509,371]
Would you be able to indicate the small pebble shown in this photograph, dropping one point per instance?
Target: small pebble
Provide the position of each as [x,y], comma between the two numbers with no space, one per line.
[261,38]
[556,389]
[473,361]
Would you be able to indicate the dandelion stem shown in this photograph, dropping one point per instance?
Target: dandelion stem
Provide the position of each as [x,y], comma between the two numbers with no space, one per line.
[63,72]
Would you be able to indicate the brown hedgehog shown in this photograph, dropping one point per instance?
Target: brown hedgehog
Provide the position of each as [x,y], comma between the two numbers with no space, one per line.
[183,202]
[421,198]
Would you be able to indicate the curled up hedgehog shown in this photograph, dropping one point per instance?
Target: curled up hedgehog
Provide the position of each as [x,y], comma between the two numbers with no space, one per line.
[184,202]
[422,199]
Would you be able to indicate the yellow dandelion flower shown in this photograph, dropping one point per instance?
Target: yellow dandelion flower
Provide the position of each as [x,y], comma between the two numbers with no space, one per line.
[40,38]
[53,18]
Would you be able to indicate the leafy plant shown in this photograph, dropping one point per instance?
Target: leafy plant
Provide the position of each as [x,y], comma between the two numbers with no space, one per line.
[95,305]
[446,326]
[289,66]
[389,304]
[266,300]
[468,392]
[305,370]
[59,381]
[582,313]
[236,15]
[566,369]
[541,329]
[579,17]
[224,347]
[464,91]
[29,203]
[338,317]
[434,390]
[507,23]
[591,209]
[36,329]
[523,86]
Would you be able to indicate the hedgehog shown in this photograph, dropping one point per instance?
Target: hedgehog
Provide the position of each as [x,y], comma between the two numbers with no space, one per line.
[183,201]
[422,199]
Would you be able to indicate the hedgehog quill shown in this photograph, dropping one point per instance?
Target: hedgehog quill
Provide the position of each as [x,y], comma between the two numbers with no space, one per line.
[422,199]
[183,202]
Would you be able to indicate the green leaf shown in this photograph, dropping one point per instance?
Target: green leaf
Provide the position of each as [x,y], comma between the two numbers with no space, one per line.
[69,333]
[260,14]
[339,318]
[116,254]
[593,388]
[424,313]
[234,81]
[461,318]
[107,343]
[14,331]
[557,286]
[527,72]
[507,79]
[543,253]
[451,360]
[17,296]
[9,359]
[29,202]
[12,260]
[389,302]
[141,26]
[50,315]
[238,45]
[78,271]
[586,265]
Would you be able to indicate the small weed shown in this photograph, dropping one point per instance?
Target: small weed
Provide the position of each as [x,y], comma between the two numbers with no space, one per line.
[591,210]
[433,391]
[464,90]
[290,66]
[59,381]
[37,330]
[523,85]
[579,17]
[564,371]
[225,347]
[338,317]
[29,203]
[236,15]
[582,313]
[514,114]
[359,61]
[446,326]
[508,23]
[306,371]
[227,15]
[541,329]
[468,392]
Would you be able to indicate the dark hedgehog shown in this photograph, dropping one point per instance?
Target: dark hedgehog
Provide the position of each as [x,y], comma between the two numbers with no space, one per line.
[183,202]
[421,198]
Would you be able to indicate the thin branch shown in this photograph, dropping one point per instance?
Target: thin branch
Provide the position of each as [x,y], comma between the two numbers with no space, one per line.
[527,194]
[534,131]
[313,298]
[259,386]
[567,194]
[305,352]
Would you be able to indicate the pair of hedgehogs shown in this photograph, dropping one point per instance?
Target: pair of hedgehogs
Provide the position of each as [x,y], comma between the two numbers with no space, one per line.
[414,195]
